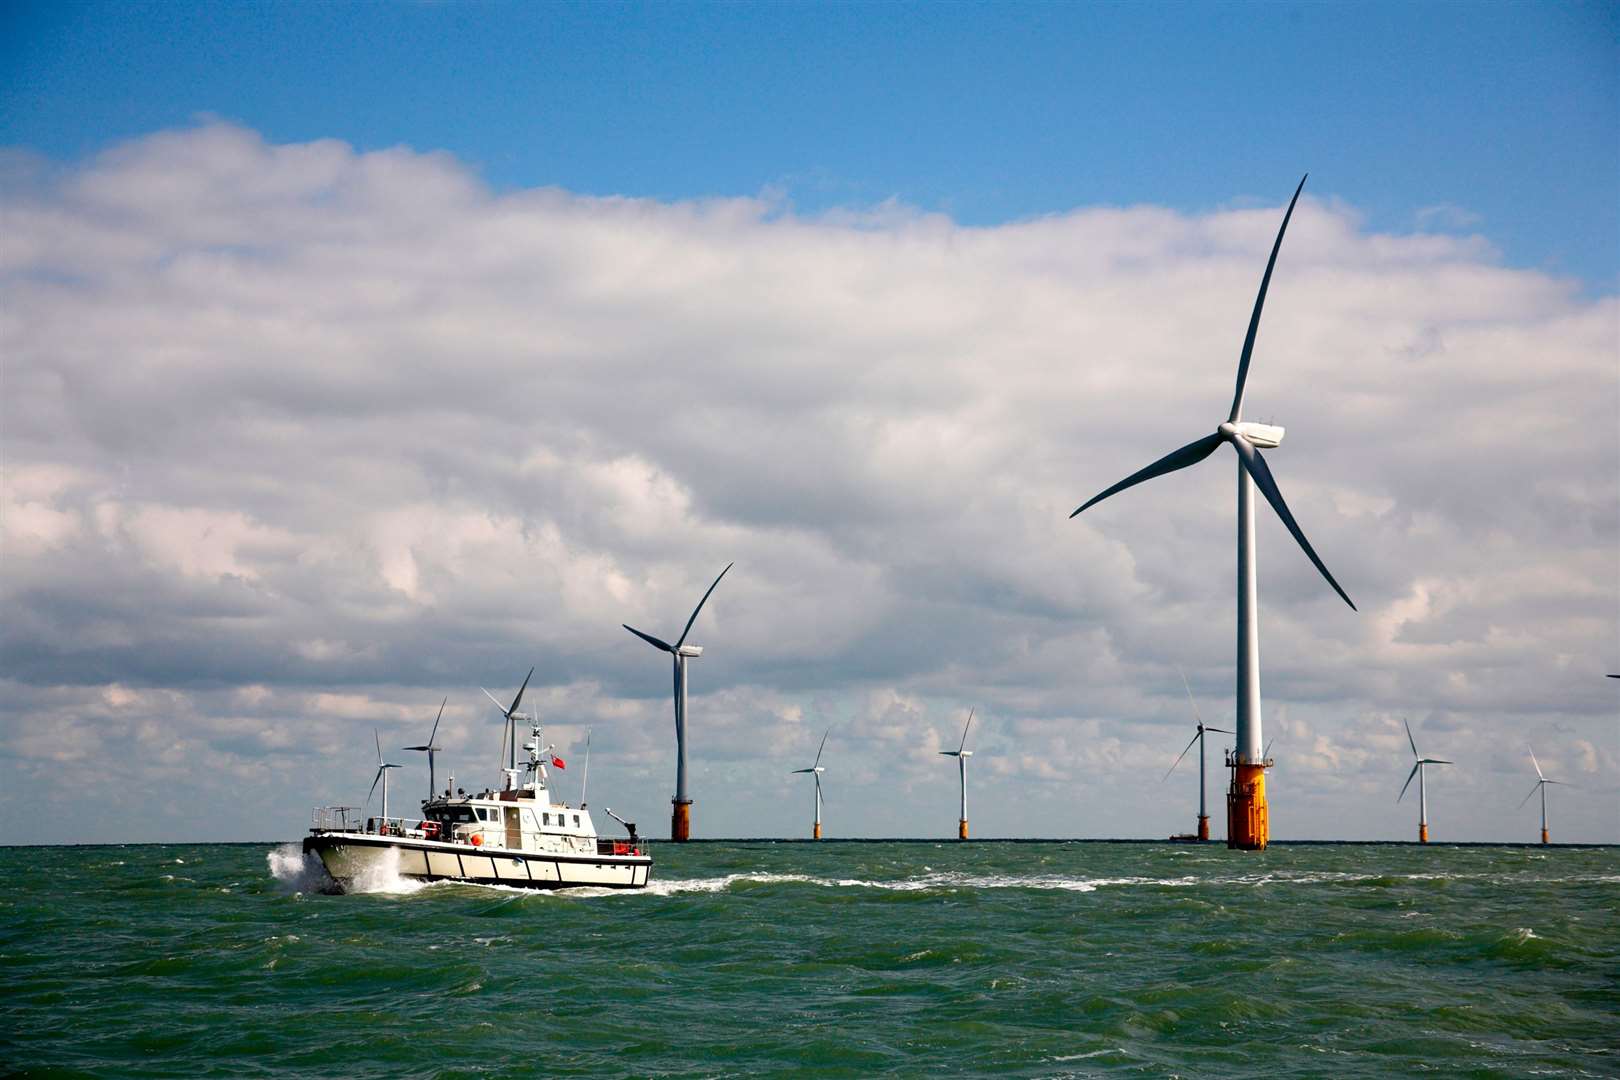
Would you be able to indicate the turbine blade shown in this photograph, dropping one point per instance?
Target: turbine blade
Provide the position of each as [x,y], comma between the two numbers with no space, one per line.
[1191,454]
[494,699]
[823,745]
[1222,730]
[1259,303]
[1261,473]
[374,780]
[965,727]
[951,753]
[436,720]
[1536,763]
[378,740]
[1409,737]
[701,602]
[1187,687]
[1408,783]
[796,772]
[1530,796]
[1437,761]
[649,639]
[519,699]
[1183,754]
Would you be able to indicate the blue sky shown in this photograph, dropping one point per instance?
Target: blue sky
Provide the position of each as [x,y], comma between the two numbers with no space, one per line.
[1496,118]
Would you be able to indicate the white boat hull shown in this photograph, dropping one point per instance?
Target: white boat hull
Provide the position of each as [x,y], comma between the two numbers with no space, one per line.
[355,858]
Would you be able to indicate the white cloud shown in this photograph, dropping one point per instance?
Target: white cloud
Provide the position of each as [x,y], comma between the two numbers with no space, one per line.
[299,440]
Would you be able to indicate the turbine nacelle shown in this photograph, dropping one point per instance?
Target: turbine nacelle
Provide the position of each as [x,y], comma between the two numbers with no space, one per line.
[1260,436]
[689,650]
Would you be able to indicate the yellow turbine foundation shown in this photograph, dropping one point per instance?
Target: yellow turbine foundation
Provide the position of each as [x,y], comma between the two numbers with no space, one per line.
[680,820]
[961,829]
[815,834]
[1423,832]
[1247,827]
[1203,826]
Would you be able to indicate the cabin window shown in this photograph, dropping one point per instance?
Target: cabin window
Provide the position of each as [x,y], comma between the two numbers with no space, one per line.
[483,814]
[576,821]
[547,818]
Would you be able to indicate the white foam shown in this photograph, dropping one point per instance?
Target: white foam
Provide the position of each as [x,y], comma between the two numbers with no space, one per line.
[296,871]
[382,875]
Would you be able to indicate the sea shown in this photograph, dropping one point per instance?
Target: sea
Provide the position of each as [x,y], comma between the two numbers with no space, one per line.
[842,959]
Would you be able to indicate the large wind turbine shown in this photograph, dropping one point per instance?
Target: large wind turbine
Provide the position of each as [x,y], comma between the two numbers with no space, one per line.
[1423,795]
[816,770]
[680,817]
[510,714]
[1198,737]
[1541,786]
[1248,826]
[961,754]
[382,774]
[431,750]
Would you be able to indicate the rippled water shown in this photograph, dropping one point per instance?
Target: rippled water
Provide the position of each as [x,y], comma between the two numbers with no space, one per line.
[850,959]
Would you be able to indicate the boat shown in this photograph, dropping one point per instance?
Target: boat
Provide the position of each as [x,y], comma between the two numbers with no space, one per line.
[517,836]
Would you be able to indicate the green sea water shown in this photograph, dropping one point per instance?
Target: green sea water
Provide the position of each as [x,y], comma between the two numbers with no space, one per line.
[842,959]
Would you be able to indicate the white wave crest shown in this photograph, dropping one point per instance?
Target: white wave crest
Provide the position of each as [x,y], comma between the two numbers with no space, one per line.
[381,875]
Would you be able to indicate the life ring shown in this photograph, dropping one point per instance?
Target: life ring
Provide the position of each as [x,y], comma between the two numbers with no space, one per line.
[476,839]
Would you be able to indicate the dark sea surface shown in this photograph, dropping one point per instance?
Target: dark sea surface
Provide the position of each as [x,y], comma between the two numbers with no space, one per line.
[848,959]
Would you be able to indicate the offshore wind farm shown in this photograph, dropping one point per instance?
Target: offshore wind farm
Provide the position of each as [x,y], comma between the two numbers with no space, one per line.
[356,356]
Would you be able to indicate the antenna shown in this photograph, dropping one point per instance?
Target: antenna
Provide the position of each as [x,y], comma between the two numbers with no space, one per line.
[586,779]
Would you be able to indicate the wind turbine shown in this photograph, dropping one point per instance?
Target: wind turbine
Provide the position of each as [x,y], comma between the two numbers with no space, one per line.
[961,754]
[1423,795]
[1541,786]
[430,749]
[509,733]
[680,816]
[816,770]
[382,774]
[1198,737]
[1248,826]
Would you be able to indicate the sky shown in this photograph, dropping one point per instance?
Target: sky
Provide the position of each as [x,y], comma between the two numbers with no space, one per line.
[356,356]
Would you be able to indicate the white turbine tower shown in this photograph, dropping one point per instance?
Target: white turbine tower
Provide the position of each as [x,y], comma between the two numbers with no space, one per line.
[1248,826]
[1423,795]
[1198,737]
[1541,786]
[510,714]
[382,774]
[680,818]
[431,750]
[961,754]
[816,770]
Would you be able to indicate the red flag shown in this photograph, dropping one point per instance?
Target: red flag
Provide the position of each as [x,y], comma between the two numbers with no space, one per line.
[557,761]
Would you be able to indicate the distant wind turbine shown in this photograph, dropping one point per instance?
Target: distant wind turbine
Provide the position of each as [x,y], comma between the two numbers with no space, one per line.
[680,818]
[1541,786]
[961,754]
[1248,824]
[510,714]
[1198,737]
[382,774]
[1423,796]
[431,750]
[816,770]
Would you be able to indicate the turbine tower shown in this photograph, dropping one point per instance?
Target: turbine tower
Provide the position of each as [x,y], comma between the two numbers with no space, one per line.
[510,714]
[1541,786]
[1423,796]
[382,774]
[816,770]
[1248,826]
[961,754]
[680,817]
[1203,816]
[431,750]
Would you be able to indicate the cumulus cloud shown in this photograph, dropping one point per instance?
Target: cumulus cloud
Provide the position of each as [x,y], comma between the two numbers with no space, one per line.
[298,440]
